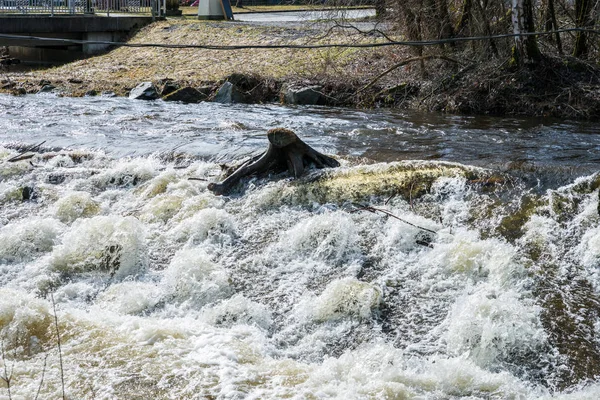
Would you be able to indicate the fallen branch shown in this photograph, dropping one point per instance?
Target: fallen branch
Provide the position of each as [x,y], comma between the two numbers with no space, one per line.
[62,373]
[403,63]
[42,378]
[21,155]
[386,212]
[7,378]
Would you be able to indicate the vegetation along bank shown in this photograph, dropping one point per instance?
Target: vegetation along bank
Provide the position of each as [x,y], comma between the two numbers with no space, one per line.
[549,74]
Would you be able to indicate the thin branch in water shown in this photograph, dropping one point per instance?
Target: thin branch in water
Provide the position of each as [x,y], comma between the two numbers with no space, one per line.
[62,374]
[386,212]
[390,198]
[37,394]
[7,377]
[410,199]
[19,157]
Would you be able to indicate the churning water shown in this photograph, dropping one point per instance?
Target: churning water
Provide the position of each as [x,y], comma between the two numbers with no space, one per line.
[482,283]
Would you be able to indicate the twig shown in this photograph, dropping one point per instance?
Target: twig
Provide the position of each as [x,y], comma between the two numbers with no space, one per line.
[365,33]
[412,208]
[390,198]
[7,377]
[19,157]
[374,210]
[197,179]
[42,379]
[446,80]
[403,63]
[62,374]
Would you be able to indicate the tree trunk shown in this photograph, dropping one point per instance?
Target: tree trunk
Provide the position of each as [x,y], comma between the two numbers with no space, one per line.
[380,9]
[446,28]
[486,26]
[551,24]
[583,19]
[526,49]
[286,151]
[465,18]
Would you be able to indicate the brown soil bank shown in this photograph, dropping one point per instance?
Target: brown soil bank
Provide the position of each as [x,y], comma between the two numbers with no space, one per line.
[558,87]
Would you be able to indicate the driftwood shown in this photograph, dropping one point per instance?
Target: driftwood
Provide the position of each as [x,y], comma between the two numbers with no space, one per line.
[286,151]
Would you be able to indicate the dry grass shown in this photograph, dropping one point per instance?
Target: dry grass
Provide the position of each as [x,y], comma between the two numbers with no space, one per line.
[559,87]
[124,67]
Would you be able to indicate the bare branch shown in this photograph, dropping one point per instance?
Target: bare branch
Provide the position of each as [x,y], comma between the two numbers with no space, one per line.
[403,63]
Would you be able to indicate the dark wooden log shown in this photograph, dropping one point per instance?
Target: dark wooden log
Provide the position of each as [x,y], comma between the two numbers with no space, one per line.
[286,151]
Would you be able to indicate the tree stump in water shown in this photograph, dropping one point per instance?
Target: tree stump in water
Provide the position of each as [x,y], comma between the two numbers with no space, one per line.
[286,151]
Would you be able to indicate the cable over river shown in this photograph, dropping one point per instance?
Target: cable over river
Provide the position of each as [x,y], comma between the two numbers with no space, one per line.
[447,257]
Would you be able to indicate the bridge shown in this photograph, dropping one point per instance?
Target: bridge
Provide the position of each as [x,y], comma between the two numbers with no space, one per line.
[85,20]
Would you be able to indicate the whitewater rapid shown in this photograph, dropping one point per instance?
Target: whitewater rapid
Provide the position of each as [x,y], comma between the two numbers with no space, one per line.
[287,289]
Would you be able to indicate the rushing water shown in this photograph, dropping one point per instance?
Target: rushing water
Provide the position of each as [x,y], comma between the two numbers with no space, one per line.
[288,289]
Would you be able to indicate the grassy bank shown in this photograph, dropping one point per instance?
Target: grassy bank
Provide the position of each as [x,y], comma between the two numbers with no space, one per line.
[450,82]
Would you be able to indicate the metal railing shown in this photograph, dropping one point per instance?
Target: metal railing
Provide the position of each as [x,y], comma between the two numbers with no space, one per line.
[63,7]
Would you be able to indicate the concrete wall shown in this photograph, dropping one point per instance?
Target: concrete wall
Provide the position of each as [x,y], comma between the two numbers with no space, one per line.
[77,27]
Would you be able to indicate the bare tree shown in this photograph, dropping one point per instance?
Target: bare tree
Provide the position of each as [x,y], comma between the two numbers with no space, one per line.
[526,49]
[583,19]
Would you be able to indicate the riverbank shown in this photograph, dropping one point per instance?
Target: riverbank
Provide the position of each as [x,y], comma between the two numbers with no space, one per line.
[453,83]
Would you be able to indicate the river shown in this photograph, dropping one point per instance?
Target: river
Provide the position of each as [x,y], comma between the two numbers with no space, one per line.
[473,274]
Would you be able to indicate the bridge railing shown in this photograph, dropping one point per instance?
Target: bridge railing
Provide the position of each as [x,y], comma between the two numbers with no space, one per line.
[63,7]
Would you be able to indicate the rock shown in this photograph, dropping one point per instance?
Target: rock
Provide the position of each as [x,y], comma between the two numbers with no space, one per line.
[75,81]
[168,88]
[91,93]
[229,93]
[309,95]
[186,95]
[144,91]
[56,179]
[108,93]
[19,92]
[29,193]
[44,82]
[47,88]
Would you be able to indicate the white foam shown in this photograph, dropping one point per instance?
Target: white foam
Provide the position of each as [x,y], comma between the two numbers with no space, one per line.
[238,310]
[24,319]
[211,224]
[378,370]
[101,244]
[161,208]
[130,297]
[464,252]
[491,324]
[75,205]
[343,298]
[128,172]
[330,237]
[26,239]
[194,279]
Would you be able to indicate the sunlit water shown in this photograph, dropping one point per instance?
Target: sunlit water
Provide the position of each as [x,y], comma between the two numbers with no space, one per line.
[288,289]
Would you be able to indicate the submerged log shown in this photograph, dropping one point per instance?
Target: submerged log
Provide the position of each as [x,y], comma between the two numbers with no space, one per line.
[286,151]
